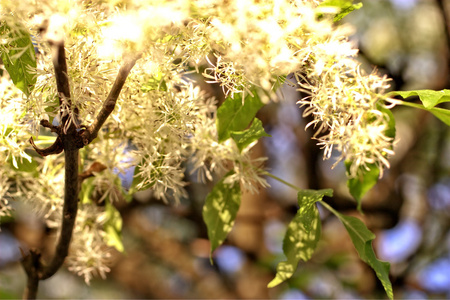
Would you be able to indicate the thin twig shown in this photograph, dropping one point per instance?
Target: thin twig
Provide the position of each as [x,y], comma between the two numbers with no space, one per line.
[442,7]
[446,20]
[61,75]
[108,106]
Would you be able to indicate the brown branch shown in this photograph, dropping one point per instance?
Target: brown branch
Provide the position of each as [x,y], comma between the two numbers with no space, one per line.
[69,209]
[67,141]
[445,17]
[31,265]
[441,4]
[61,75]
[110,102]
[55,148]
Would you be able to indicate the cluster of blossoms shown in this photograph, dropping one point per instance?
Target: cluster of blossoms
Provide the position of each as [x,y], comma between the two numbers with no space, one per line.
[162,121]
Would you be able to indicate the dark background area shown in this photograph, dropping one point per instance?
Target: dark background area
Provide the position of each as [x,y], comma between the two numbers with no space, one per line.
[166,247]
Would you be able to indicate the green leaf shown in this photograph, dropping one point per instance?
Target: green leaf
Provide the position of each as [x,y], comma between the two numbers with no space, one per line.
[345,7]
[87,187]
[365,180]
[18,56]
[442,114]
[390,131]
[157,83]
[302,235]
[429,98]
[24,165]
[362,240]
[279,82]
[235,114]
[248,136]
[220,210]
[113,227]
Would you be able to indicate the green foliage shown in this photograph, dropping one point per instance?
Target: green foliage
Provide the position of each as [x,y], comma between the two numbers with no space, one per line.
[279,82]
[220,210]
[156,83]
[18,56]
[345,7]
[441,114]
[362,240]
[24,165]
[390,131]
[368,177]
[248,136]
[429,99]
[87,187]
[235,114]
[360,185]
[302,235]
[113,227]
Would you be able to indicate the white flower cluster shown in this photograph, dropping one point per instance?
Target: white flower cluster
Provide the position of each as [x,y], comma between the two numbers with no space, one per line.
[89,256]
[346,104]
[162,122]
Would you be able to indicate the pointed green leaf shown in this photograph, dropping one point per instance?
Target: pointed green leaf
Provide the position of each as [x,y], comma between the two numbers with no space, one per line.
[362,240]
[442,114]
[220,210]
[113,227]
[345,7]
[302,235]
[390,131]
[365,180]
[280,80]
[235,114]
[87,187]
[429,98]
[18,56]
[248,136]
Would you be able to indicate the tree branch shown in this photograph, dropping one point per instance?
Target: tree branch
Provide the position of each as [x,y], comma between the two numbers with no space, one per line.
[69,209]
[68,140]
[61,75]
[31,265]
[445,17]
[108,106]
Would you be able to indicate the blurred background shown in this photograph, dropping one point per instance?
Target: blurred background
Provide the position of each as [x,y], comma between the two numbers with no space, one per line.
[166,247]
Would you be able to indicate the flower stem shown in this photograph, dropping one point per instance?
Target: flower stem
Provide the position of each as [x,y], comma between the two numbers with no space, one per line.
[282,181]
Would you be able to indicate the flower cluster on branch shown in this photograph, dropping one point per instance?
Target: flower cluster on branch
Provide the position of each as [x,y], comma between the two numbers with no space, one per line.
[162,121]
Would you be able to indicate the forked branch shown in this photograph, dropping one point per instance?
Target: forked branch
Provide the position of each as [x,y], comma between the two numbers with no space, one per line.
[70,139]
[108,106]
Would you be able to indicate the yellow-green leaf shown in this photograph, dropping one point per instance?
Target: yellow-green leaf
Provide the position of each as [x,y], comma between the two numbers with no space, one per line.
[302,235]
[18,56]
[362,239]
[220,210]
[235,114]
[113,227]
[248,136]
[429,98]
